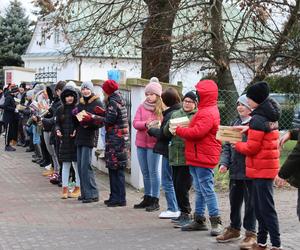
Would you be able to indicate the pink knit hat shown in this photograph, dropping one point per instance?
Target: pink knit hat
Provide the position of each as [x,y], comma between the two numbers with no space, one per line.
[153,87]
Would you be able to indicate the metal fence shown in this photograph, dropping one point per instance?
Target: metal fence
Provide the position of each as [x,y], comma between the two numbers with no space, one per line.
[290,105]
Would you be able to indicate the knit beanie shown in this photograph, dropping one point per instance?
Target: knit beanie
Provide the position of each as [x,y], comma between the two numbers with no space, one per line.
[192,95]
[258,92]
[88,85]
[30,93]
[154,87]
[110,86]
[243,100]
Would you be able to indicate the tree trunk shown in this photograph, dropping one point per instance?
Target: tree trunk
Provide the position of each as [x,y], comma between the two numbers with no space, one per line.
[157,52]
[227,99]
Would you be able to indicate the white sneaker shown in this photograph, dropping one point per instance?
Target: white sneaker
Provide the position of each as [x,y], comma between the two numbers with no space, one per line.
[169,214]
[48,167]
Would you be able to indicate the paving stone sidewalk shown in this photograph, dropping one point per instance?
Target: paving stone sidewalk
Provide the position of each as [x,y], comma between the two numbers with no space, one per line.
[32,216]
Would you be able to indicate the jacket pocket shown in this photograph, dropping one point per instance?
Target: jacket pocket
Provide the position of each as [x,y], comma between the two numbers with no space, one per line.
[196,152]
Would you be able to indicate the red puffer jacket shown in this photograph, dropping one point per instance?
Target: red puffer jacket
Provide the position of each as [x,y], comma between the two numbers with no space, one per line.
[262,146]
[262,154]
[202,149]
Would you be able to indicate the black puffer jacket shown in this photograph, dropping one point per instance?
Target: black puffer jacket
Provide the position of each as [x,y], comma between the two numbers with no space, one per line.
[234,160]
[87,134]
[265,117]
[117,132]
[66,123]
[9,107]
[49,120]
[162,144]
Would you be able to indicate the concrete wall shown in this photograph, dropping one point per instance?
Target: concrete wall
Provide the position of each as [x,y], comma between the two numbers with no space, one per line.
[18,74]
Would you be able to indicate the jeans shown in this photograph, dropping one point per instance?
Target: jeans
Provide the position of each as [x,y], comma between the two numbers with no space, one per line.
[88,187]
[265,212]
[241,191]
[66,166]
[51,151]
[117,185]
[203,181]
[148,161]
[182,180]
[168,186]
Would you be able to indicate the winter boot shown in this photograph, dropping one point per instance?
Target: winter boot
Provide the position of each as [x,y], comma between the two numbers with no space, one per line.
[216,225]
[75,193]
[144,203]
[259,247]
[154,205]
[249,240]
[230,234]
[64,193]
[198,224]
[184,219]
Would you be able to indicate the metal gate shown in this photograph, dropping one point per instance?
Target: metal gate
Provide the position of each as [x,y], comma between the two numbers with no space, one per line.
[46,75]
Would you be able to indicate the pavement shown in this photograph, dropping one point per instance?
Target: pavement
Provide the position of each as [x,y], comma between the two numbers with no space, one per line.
[32,216]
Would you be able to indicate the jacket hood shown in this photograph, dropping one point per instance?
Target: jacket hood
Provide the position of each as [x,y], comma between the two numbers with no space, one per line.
[51,92]
[207,90]
[67,91]
[269,109]
[117,97]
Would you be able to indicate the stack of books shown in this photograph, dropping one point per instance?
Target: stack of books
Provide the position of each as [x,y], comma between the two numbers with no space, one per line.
[181,122]
[229,134]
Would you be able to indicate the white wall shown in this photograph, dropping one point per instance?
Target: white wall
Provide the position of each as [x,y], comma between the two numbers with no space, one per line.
[19,76]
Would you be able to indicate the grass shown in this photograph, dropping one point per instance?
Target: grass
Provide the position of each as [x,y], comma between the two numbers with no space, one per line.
[222,180]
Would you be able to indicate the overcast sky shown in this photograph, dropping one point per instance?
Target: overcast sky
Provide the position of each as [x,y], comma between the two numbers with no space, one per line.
[25,3]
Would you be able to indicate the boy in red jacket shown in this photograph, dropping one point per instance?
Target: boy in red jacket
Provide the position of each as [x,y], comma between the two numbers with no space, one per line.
[202,153]
[262,161]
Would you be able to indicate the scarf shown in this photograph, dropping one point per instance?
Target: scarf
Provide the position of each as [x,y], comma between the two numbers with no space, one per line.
[149,106]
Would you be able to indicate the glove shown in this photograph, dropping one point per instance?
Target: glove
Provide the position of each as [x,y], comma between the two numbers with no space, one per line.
[99,111]
[75,111]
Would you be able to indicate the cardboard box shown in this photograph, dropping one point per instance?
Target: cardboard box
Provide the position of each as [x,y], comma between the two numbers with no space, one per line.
[229,134]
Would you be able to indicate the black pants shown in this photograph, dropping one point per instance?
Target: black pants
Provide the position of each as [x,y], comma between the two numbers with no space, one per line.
[117,185]
[2,127]
[265,212]
[298,204]
[9,133]
[241,191]
[182,180]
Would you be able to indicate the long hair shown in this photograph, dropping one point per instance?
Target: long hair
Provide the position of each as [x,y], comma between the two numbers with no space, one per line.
[158,107]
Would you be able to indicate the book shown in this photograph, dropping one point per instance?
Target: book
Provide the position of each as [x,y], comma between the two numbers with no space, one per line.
[154,124]
[181,122]
[80,115]
[229,134]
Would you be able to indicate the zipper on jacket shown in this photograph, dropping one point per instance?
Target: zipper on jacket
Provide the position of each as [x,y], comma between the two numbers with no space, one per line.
[196,153]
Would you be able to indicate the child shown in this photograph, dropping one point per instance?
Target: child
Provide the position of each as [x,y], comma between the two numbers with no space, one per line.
[86,139]
[116,125]
[147,113]
[240,187]
[182,178]
[66,131]
[262,161]
[290,170]
[171,99]
[202,153]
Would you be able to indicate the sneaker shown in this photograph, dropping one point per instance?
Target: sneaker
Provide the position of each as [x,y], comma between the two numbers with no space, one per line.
[48,172]
[54,179]
[230,234]
[198,224]
[185,219]
[216,225]
[249,240]
[9,148]
[259,247]
[169,214]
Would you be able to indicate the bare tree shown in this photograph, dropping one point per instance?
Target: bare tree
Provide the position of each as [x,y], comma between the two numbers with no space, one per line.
[174,33]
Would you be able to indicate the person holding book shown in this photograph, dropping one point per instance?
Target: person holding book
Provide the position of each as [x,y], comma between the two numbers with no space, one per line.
[148,112]
[202,153]
[240,187]
[182,178]
[262,161]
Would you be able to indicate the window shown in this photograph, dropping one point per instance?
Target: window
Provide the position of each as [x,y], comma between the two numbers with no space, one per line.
[56,36]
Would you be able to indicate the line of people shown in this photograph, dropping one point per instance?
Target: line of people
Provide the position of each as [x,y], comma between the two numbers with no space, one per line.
[188,155]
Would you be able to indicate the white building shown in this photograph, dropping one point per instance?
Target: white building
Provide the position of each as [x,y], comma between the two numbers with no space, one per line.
[49,55]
